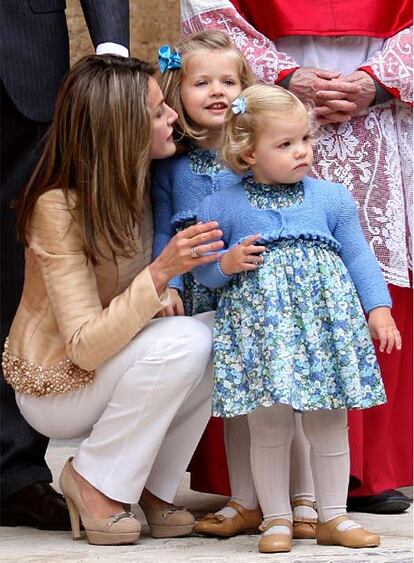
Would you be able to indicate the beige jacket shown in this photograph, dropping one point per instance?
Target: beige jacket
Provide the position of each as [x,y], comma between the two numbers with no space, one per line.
[74,316]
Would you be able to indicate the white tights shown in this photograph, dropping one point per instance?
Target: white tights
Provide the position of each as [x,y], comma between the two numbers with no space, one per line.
[272,430]
[237,440]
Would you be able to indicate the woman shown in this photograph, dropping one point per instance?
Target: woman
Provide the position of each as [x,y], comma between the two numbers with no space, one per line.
[83,354]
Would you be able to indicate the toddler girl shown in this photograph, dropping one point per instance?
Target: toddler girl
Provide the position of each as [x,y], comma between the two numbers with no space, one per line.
[291,335]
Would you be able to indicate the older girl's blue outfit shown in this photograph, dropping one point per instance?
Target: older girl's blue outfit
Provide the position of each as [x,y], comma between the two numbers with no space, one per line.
[294,331]
[179,184]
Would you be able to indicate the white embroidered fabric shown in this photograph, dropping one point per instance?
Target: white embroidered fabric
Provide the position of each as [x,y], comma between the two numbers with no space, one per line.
[372,155]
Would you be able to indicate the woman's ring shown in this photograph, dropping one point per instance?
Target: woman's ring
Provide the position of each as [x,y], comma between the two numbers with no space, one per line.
[193,252]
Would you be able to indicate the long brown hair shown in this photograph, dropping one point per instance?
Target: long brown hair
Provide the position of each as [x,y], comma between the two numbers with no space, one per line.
[97,148]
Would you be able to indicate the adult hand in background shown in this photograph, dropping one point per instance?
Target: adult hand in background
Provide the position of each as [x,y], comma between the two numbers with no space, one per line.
[334,104]
[176,309]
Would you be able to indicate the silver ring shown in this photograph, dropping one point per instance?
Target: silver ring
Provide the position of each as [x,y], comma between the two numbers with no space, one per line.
[193,252]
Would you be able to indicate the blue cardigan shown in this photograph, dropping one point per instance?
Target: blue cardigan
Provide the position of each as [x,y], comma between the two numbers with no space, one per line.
[328,213]
[177,192]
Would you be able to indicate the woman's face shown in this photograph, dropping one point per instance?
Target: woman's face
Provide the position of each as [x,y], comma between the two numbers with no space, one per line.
[163,117]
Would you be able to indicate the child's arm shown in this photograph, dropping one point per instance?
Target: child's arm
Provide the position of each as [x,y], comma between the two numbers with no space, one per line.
[366,274]
[240,257]
[163,211]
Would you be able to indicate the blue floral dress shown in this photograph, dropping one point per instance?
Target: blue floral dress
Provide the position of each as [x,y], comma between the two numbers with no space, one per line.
[197,298]
[293,331]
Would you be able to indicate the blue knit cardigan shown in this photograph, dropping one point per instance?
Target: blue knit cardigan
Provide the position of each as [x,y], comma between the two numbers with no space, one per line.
[176,193]
[328,213]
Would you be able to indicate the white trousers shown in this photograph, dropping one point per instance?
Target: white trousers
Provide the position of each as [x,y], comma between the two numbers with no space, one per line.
[144,414]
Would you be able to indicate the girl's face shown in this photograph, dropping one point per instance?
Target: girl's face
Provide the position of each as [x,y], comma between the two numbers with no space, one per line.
[162,144]
[210,83]
[283,153]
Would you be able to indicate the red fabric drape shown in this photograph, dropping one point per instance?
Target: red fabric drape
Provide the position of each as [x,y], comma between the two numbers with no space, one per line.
[381,438]
[373,18]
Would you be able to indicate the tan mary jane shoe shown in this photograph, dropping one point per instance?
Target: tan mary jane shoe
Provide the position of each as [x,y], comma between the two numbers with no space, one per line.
[275,543]
[327,533]
[304,528]
[244,522]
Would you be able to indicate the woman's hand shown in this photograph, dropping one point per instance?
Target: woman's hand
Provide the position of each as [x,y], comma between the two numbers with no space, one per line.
[384,329]
[176,309]
[242,257]
[191,247]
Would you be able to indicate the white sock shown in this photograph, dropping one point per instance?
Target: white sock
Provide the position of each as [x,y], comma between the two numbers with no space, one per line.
[300,512]
[227,511]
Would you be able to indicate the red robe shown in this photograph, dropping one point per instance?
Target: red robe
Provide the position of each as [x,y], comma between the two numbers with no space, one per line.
[279,18]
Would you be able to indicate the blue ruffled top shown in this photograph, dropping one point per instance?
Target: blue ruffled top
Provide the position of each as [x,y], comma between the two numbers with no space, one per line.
[325,212]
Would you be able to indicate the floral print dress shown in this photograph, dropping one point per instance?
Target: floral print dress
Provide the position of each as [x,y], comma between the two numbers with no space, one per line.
[293,331]
[197,298]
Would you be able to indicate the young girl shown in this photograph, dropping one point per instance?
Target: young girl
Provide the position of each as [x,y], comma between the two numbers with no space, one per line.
[291,335]
[201,78]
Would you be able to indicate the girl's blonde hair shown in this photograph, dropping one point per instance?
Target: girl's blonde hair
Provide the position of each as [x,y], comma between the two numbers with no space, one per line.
[242,130]
[208,40]
[98,147]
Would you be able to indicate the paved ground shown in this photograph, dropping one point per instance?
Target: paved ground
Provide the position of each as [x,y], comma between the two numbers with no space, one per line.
[27,545]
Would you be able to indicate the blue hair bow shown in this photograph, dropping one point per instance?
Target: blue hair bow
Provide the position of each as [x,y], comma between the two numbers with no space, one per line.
[239,105]
[168,59]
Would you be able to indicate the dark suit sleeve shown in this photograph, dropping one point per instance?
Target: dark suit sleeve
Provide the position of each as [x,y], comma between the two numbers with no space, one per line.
[107,21]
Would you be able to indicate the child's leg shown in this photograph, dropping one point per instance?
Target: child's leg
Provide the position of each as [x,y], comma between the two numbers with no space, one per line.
[327,432]
[302,492]
[237,440]
[271,432]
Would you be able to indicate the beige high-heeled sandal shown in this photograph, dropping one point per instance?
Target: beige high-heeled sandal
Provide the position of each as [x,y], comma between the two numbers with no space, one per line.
[304,528]
[122,528]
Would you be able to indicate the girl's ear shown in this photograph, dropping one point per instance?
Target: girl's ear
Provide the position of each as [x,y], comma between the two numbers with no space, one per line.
[249,156]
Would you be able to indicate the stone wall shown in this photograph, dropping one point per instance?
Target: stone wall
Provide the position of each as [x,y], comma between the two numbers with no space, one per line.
[152,23]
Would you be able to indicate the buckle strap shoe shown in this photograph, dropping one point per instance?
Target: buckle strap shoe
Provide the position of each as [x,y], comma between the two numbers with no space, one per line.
[275,543]
[304,528]
[122,528]
[168,520]
[244,522]
[330,533]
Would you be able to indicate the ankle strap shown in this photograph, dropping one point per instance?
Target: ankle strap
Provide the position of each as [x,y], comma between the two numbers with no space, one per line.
[275,522]
[303,502]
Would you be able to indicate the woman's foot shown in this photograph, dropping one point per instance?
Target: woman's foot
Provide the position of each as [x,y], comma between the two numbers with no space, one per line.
[345,532]
[104,520]
[276,537]
[97,504]
[304,519]
[166,520]
[233,520]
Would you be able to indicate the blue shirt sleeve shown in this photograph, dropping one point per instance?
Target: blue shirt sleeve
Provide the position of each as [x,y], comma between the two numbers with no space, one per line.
[163,211]
[210,275]
[358,257]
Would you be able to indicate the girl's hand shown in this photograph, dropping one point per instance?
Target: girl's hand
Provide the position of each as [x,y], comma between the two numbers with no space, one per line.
[186,250]
[242,257]
[384,329]
[176,309]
